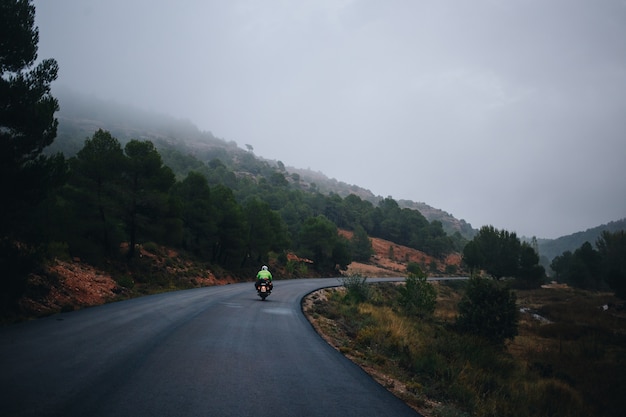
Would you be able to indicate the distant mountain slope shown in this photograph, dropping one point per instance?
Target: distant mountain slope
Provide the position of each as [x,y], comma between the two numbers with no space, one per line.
[450,223]
[327,185]
[80,116]
[551,248]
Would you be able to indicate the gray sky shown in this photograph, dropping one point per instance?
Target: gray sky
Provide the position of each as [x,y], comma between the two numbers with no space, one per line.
[503,112]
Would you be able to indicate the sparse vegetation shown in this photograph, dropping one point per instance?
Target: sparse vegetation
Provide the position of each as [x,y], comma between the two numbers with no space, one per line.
[567,359]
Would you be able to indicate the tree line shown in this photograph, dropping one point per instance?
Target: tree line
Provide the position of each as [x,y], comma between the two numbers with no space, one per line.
[600,268]
[118,194]
[501,254]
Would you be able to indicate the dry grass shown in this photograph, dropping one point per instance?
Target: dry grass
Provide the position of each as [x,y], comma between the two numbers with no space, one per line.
[566,361]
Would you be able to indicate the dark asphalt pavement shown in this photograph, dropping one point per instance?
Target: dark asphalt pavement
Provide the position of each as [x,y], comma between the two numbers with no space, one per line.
[217,351]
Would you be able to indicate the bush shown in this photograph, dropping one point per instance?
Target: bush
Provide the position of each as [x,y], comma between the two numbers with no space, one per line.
[356,287]
[452,269]
[488,309]
[418,297]
[126,281]
[151,247]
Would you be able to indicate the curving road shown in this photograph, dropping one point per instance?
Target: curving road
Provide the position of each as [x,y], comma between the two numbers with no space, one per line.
[217,351]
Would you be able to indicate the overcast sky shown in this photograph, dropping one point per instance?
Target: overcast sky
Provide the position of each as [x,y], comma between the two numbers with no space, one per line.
[503,112]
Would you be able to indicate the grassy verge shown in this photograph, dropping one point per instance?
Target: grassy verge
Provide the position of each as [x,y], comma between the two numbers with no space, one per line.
[569,358]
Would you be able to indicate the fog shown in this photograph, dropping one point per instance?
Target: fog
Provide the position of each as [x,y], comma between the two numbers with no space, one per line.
[508,113]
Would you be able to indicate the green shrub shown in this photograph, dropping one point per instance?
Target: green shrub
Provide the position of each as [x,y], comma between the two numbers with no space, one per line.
[357,289]
[451,269]
[417,296]
[151,247]
[125,281]
[489,310]
[291,266]
[413,268]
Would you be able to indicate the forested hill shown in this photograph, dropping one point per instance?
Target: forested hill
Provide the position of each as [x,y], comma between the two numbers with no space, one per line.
[555,247]
[80,116]
[184,148]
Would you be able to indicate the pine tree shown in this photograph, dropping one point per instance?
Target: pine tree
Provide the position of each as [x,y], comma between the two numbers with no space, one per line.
[27,123]
[27,126]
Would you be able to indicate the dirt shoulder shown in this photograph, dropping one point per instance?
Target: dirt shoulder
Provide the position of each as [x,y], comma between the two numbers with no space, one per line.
[65,285]
[333,335]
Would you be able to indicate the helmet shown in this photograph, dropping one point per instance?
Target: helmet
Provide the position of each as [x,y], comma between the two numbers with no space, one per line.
[264,268]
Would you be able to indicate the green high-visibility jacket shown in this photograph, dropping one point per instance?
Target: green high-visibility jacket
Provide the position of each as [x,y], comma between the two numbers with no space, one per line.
[264,275]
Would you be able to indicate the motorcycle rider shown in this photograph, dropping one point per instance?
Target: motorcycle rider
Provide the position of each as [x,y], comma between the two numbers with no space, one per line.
[264,273]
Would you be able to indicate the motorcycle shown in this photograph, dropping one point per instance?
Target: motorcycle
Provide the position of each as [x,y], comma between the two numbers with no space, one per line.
[264,288]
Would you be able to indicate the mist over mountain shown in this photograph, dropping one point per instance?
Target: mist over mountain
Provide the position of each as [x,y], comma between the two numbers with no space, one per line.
[80,116]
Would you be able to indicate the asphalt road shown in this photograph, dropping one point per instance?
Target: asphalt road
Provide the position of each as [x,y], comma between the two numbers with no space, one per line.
[217,351]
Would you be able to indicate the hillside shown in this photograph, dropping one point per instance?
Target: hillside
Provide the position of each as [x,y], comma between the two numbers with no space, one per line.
[555,247]
[67,285]
[451,224]
[391,260]
[80,116]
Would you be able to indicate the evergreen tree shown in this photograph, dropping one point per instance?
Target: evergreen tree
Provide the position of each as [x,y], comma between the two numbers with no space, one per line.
[579,269]
[319,241]
[27,123]
[96,175]
[230,246]
[199,221]
[495,251]
[342,253]
[261,234]
[357,212]
[27,126]
[417,296]
[530,274]
[147,184]
[612,250]
[593,269]
[585,271]
[361,245]
[488,309]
